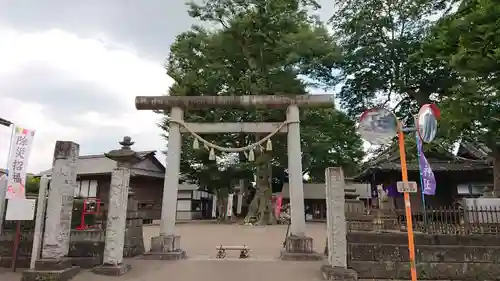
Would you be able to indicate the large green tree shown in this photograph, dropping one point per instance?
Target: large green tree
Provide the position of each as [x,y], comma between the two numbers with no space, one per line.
[261,47]
[383,63]
[468,41]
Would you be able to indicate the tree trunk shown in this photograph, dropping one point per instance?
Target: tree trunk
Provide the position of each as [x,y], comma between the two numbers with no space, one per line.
[496,174]
[261,208]
[221,206]
[253,208]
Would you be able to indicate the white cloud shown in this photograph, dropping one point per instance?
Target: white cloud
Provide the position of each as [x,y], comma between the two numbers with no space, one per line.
[66,63]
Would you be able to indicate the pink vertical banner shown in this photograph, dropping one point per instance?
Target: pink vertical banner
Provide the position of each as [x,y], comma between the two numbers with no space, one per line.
[279,202]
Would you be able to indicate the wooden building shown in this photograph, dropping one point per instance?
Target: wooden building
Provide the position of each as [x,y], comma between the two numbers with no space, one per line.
[146,182]
[457,177]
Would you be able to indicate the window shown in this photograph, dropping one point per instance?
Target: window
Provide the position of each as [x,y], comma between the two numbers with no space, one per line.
[195,206]
[86,188]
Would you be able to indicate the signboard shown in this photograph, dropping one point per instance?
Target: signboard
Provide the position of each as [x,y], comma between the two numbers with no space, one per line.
[18,161]
[20,209]
[410,187]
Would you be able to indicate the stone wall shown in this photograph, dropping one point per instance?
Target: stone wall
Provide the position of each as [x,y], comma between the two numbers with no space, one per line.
[442,257]
[86,246]
[134,240]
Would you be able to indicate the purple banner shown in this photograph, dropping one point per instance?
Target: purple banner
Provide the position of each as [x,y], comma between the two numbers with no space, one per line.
[428,179]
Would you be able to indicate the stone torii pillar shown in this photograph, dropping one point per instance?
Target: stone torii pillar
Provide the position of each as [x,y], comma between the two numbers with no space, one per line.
[117,210]
[167,244]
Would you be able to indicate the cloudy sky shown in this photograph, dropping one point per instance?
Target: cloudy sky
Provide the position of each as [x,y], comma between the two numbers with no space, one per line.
[71,69]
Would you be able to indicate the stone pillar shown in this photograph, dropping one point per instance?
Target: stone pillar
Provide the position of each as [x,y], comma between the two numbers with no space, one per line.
[297,245]
[167,244]
[117,210]
[54,264]
[298,226]
[3,191]
[336,269]
[214,206]
[39,219]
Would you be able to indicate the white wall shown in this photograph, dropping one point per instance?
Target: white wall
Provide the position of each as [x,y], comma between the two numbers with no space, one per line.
[318,191]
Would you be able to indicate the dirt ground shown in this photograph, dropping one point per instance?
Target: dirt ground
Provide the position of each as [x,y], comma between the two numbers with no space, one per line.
[199,241]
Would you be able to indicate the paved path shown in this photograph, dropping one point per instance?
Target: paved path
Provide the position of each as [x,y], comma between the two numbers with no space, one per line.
[200,239]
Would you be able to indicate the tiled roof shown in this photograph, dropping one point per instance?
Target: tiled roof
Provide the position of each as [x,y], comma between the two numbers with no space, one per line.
[437,165]
[99,164]
[389,161]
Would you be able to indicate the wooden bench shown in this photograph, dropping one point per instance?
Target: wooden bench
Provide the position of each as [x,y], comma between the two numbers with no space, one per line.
[221,251]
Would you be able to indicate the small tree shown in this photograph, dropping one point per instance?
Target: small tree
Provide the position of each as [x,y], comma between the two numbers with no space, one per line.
[32,184]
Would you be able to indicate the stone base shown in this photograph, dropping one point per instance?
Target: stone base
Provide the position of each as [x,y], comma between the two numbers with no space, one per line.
[166,243]
[86,262]
[50,275]
[53,264]
[338,273]
[179,255]
[287,256]
[111,269]
[299,248]
[165,247]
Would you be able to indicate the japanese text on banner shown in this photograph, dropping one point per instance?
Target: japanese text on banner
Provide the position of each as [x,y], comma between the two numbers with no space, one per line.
[18,161]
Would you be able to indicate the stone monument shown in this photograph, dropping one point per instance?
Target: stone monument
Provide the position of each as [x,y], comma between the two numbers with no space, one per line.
[117,210]
[167,244]
[55,264]
[336,269]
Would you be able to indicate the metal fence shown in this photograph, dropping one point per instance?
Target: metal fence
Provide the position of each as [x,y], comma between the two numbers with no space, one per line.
[441,220]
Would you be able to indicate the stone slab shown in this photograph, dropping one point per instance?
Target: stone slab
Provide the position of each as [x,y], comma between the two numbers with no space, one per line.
[53,264]
[336,220]
[57,229]
[329,272]
[50,275]
[112,270]
[178,255]
[289,256]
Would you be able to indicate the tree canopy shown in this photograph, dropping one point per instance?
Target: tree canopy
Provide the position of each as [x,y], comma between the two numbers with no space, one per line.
[403,54]
[261,47]
[383,64]
[468,41]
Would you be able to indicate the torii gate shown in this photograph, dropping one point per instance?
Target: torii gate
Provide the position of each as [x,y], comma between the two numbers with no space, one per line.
[167,244]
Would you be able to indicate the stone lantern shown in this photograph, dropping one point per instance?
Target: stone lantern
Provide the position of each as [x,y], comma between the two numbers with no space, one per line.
[125,158]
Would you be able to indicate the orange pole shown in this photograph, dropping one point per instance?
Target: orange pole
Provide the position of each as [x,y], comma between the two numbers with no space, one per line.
[409,222]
